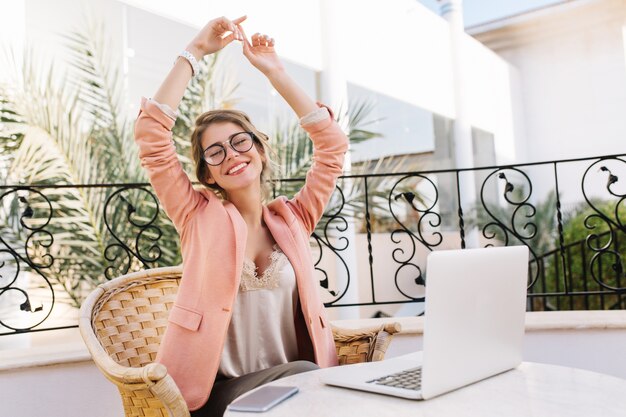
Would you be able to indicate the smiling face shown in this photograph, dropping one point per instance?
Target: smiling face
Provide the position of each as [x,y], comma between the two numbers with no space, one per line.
[239,170]
[255,166]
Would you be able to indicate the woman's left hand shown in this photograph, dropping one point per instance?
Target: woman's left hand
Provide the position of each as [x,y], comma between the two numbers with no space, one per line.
[261,53]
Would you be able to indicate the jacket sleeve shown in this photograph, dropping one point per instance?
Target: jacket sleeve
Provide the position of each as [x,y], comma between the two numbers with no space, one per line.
[153,135]
[329,147]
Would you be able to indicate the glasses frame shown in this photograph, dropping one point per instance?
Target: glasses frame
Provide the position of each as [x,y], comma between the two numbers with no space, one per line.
[230,143]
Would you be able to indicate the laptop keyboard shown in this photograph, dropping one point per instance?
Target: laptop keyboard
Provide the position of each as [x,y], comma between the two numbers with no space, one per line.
[408,379]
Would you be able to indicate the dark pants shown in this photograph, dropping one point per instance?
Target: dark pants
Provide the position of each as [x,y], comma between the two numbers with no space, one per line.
[226,390]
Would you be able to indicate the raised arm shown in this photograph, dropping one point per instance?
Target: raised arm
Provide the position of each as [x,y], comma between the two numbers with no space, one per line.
[259,50]
[214,36]
[329,142]
[157,117]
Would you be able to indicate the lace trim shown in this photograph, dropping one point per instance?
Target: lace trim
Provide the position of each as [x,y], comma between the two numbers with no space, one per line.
[250,280]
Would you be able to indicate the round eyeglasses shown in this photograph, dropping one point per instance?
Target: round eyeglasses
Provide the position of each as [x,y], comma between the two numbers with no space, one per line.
[240,142]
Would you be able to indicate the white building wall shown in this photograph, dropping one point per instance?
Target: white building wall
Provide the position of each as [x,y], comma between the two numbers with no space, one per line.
[571,61]
[490,87]
[572,70]
[410,62]
[46,24]
[12,29]
[399,49]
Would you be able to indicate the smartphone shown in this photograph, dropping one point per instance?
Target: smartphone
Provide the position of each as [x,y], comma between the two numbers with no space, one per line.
[262,399]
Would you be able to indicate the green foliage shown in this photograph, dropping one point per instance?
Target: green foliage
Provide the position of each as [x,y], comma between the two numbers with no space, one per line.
[574,268]
[54,149]
[534,225]
[72,129]
[294,150]
[294,155]
[585,229]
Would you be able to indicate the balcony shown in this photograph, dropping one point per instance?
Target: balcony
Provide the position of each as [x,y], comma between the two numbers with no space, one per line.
[370,250]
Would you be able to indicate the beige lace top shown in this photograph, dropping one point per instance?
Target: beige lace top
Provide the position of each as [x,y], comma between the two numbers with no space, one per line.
[262,332]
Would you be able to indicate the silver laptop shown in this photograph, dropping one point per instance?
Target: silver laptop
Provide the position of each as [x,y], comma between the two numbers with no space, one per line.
[473,327]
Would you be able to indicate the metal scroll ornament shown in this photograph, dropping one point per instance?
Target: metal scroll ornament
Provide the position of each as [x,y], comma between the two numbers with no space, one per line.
[15,288]
[130,216]
[328,238]
[603,245]
[427,218]
[520,223]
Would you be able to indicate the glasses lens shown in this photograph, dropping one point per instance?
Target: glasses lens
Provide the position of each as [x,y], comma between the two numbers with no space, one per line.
[214,155]
[242,142]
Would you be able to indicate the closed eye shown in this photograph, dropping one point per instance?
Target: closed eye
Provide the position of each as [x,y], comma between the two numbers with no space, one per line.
[212,153]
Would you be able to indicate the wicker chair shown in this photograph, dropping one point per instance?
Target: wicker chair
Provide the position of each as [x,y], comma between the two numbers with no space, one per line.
[123,320]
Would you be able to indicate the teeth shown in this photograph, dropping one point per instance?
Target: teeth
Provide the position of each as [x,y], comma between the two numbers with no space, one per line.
[237,167]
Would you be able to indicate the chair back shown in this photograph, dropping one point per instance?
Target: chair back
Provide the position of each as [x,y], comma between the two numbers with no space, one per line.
[130,317]
[122,323]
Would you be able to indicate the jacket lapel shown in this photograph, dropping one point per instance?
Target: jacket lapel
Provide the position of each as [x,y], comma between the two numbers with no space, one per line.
[282,235]
[241,237]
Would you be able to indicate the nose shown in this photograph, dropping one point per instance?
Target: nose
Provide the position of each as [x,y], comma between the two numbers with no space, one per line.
[230,152]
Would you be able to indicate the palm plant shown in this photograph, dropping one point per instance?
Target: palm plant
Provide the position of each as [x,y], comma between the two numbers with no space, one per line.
[294,155]
[53,149]
[70,129]
[294,150]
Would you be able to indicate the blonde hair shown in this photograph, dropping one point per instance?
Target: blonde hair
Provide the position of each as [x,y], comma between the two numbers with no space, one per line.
[261,142]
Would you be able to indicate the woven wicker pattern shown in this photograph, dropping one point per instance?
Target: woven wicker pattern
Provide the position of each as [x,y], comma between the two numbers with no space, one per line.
[122,323]
[142,403]
[131,320]
[363,345]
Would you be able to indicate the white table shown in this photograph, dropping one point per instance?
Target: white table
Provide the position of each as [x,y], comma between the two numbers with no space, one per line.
[532,389]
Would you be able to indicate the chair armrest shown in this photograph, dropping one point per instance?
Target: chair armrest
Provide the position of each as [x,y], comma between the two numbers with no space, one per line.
[113,371]
[147,390]
[152,377]
[148,374]
[363,345]
[343,334]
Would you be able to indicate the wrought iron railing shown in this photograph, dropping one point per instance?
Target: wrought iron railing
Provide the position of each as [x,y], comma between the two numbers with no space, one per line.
[369,248]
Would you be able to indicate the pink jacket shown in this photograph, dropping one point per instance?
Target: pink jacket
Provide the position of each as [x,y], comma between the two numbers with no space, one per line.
[213,238]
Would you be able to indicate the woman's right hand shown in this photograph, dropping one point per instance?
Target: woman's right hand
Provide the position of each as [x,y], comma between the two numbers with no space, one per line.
[211,38]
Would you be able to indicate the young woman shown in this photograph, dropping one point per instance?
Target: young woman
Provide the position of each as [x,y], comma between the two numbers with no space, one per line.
[248,310]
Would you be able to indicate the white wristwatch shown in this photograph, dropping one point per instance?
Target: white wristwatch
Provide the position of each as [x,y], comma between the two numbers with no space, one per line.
[195,68]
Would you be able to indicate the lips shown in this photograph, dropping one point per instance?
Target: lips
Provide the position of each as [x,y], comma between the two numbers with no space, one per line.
[237,168]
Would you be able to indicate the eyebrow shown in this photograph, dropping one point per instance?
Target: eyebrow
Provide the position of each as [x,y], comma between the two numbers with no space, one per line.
[221,142]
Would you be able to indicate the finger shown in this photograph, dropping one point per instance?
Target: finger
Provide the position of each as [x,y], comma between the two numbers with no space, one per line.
[256,39]
[236,33]
[227,30]
[237,27]
[230,26]
[246,43]
[224,25]
[228,39]
[240,19]
[271,42]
